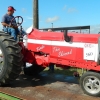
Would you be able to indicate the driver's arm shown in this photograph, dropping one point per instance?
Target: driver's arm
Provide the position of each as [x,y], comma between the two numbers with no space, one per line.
[5,24]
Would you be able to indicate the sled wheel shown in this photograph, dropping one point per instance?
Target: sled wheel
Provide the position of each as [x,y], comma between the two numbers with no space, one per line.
[90,83]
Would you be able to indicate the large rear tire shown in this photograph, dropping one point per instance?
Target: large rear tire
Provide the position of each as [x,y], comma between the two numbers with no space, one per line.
[10,59]
[90,83]
[33,70]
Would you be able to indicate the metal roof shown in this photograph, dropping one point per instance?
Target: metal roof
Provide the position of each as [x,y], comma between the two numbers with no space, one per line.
[68,28]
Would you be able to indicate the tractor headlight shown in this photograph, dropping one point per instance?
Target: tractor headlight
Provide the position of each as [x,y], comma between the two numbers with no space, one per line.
[29,30]
[25,38]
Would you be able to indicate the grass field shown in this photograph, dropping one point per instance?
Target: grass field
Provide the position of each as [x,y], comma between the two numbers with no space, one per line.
[4,96]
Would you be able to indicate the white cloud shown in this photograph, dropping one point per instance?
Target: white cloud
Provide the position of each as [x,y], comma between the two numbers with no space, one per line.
[24,10]
[24,21]
[31,18]
[71,10]
[52,19]
[64,8]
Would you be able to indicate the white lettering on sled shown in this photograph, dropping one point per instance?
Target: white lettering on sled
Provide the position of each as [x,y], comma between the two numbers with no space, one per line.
[40,48]
[55,49]
[61,53]
[89,51]
[89,54]
[88,45]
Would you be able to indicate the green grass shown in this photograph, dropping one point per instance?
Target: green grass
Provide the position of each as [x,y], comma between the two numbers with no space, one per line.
[7,97]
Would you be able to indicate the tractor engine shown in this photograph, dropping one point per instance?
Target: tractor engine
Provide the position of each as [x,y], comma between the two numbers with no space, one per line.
[61,48]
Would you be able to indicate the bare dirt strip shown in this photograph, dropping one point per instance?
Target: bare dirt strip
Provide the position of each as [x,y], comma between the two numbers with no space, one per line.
[47,87]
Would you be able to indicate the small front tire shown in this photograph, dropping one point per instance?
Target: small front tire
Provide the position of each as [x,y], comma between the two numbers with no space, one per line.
[90,83]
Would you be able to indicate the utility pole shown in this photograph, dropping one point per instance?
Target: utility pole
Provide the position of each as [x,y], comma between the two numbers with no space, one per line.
[35,14]
[52,25]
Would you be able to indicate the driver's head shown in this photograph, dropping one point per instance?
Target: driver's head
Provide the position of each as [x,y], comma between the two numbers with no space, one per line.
[11,10]
[49,30]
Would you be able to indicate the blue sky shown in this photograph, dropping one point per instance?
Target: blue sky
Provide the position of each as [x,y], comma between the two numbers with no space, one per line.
[61,13]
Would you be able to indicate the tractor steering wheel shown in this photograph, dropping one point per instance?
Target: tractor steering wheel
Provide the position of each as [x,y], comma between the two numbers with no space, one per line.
[19,20]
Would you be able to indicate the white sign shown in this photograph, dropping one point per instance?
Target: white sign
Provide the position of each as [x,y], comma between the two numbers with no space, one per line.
[89,51]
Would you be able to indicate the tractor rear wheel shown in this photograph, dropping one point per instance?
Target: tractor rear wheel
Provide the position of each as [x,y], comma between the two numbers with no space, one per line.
[10,59]
[90,83]
[33,70]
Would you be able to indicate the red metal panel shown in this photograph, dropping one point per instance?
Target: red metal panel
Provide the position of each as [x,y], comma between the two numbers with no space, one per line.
[39,47]
[58,54]
[79,54]
[46,35]
[63,52]
[58,36]
[90,65]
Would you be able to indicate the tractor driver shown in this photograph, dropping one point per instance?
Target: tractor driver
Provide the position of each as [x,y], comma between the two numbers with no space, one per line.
[6,22]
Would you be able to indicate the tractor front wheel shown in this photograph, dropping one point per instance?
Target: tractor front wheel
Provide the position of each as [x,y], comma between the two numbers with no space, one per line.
[90,83]
[10,59]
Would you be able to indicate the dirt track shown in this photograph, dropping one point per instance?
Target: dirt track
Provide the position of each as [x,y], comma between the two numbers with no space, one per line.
[47,87]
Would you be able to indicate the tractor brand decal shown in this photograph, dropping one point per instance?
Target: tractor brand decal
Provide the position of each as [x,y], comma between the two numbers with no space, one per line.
[89,54]
[88,45]
[61,53]
[40,48]
[89,51]
[56,49]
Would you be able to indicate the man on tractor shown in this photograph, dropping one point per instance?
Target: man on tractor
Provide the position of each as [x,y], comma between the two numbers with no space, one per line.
[9,23]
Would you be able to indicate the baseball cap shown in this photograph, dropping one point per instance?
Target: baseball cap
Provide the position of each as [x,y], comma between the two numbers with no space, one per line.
[10,8]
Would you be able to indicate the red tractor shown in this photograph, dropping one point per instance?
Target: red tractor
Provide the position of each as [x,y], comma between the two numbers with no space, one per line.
[44,48]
